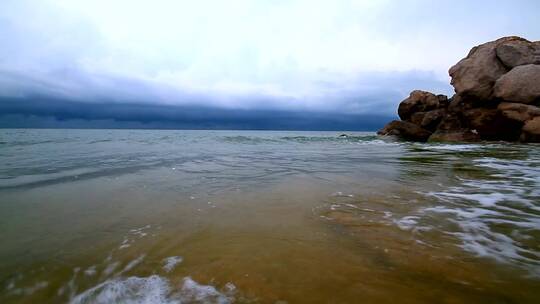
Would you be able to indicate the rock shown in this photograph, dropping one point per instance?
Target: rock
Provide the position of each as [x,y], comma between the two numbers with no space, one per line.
[428,120]
[475,75]
[418,101]
[518,111]
[405,130]
[417,118]
[443,101]
[536,54]
[497,98]
[515,53]
[532,126]
[452,129]
[481,119]
[454,136]
[450,122]
[521,84]
[531,130]
[459,104]
[490,124]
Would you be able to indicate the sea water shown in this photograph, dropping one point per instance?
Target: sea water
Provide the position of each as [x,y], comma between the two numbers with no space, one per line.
[145,216]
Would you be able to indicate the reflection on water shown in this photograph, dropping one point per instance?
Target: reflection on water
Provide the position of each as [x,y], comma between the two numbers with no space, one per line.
[120,216]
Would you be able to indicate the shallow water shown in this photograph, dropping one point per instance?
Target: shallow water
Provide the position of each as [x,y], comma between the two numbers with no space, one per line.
[134,216]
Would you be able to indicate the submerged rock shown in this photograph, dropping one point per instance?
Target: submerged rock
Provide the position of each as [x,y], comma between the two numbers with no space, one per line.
[405,130]
[454,136]
[497,98]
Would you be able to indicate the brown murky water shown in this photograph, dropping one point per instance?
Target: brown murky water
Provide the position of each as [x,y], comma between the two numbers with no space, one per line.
[265,217]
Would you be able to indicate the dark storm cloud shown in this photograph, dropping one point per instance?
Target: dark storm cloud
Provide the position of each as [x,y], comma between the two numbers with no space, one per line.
[55,113]
[70,98]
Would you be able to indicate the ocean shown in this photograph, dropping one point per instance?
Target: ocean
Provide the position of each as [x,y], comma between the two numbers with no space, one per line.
[166,216]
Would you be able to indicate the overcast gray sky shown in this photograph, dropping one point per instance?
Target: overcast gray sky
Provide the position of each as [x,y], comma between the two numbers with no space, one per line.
[347,56]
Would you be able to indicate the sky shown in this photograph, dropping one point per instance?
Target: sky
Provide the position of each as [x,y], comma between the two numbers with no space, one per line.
[298,64]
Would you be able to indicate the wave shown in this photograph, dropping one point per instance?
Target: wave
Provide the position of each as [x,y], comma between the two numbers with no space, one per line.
[340,138]
[154,289]
[499,215]
[248,139]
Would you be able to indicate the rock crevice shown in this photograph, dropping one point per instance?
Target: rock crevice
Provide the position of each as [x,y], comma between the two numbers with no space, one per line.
[497,98]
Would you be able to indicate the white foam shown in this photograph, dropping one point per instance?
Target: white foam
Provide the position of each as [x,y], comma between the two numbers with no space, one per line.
[456,147]
[110,268]
[411,223]
[90,271]
[171,262]
[193,292]
[28,290]
[153,290]
[132,290]
[133,235]
[507,197]
[132,264]
[341,194]
[407,223]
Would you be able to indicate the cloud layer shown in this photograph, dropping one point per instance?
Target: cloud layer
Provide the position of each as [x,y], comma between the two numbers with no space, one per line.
[350,57]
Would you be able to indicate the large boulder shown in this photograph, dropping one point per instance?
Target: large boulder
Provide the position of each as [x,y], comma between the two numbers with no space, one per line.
[405,130]
[490,124]
[452,129]
[454,136]
[428,120]
[515,53]
[475,75]
[531,130]
[521,84]
[418,101]
[518,111]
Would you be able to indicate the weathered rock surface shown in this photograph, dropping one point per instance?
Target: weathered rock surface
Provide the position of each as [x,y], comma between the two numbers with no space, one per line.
[490,124]
[418,101]
[405,130]
[452,128]
[454,136]
[531,130]
[497,98]
[532,126]
[518,111]
[428,120]
[515,53]
[475,75]
[521,84]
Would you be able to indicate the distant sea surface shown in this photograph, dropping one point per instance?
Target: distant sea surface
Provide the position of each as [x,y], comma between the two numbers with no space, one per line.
[135,216]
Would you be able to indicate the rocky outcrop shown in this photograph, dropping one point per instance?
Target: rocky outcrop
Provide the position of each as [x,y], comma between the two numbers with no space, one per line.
[405,130]
[497,98]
